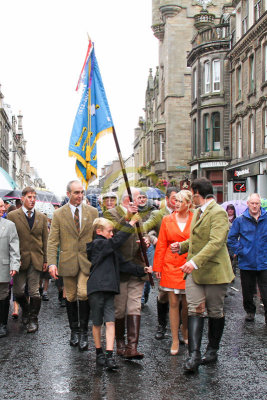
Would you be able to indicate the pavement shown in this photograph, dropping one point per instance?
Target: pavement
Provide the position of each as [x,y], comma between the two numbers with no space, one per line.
[44,366]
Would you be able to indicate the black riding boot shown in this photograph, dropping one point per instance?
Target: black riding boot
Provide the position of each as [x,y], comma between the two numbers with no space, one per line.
[34,308]
[4,309]
[163,309]
[216,326]
[23,302]
[72,311]
[195,330]
[84,311]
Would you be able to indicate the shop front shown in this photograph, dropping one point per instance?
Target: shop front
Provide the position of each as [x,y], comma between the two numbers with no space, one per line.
[246,179]
[215,172]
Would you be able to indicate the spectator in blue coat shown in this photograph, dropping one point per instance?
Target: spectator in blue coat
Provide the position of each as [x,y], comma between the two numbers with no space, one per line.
[247,239]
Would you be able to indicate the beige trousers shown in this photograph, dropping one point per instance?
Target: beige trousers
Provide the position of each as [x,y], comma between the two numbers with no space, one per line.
[128,302]
[76,286]
[200,297]
[30,276]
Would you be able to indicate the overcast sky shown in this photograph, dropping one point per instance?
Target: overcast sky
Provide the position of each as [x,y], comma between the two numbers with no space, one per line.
[43,46]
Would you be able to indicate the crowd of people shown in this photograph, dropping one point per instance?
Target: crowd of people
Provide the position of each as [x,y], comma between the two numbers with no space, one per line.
[92,251]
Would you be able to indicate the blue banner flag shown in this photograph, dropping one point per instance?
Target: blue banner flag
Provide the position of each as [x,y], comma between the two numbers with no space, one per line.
[93,119]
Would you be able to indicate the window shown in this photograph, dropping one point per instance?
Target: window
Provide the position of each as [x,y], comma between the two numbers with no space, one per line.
[206,132]
[257,10]
[216,73]
[265,128]
[161,148]
[207,77]
[265,62]
[244,25]
[148,150]
[251,73]
[239,140]
[245,19]
[194,84]
[251,134]
[216,135]
[238,83]
[195,137]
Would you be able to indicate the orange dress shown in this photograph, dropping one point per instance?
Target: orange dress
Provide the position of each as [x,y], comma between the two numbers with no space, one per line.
[165,261]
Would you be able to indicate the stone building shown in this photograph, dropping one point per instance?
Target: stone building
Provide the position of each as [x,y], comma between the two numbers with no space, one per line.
[248,73]
[111,178]
[162,146]
[210,96]
[13,157]
[5,127]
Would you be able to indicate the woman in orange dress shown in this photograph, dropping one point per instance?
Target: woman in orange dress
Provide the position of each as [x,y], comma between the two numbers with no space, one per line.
[174,228]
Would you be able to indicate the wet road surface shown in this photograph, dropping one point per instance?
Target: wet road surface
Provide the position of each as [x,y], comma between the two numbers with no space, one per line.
[44,366]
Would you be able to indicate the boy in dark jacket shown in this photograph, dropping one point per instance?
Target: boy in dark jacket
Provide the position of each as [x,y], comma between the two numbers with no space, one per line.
[104,281]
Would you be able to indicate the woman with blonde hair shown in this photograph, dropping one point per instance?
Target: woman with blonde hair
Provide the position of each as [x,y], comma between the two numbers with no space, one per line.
[174,228]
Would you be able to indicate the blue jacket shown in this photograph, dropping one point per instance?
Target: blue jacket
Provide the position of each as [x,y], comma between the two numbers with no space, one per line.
[248,239]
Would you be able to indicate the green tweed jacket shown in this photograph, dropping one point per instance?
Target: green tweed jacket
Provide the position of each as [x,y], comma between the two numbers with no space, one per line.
[32,242]
[207,246]
[64,234]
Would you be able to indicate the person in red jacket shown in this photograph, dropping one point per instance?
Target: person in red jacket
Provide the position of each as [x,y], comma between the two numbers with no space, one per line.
[174,228]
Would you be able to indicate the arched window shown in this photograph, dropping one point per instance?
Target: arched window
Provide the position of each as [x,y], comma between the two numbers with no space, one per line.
[216,131]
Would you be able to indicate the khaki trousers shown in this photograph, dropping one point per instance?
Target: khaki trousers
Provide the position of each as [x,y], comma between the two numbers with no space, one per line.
[128,302]
[76,287]
[200,296]
[30,276]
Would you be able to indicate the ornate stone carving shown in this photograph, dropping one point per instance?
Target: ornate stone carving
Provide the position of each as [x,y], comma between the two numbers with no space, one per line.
[158,30]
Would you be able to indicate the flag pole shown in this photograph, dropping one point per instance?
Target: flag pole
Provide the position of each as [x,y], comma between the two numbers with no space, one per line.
[142,242]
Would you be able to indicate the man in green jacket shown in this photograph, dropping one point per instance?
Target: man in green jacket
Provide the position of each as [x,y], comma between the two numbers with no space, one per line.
[208,271]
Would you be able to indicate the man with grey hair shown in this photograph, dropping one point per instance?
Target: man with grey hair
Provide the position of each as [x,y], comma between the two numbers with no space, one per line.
[128,302]
[71,229]
[9,264]
[248,241]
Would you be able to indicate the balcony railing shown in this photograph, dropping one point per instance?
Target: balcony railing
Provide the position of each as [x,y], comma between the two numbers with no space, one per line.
[210,34]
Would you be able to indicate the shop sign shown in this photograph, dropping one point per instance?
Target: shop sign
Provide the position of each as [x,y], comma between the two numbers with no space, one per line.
[240,186]
[246,170]
[214,164]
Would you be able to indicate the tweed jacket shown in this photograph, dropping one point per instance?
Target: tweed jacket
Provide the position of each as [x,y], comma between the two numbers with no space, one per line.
[9,249]
[155,219]
[64,234]
[32,242]
[130,250]
[207,246]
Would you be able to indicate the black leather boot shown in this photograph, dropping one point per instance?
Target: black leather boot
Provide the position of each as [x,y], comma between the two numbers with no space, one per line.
[23,302]
[4,309]
[216,326]
[195,330]
[119,334]
[34,308]
[163,309]
[72,311]
[84,311]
